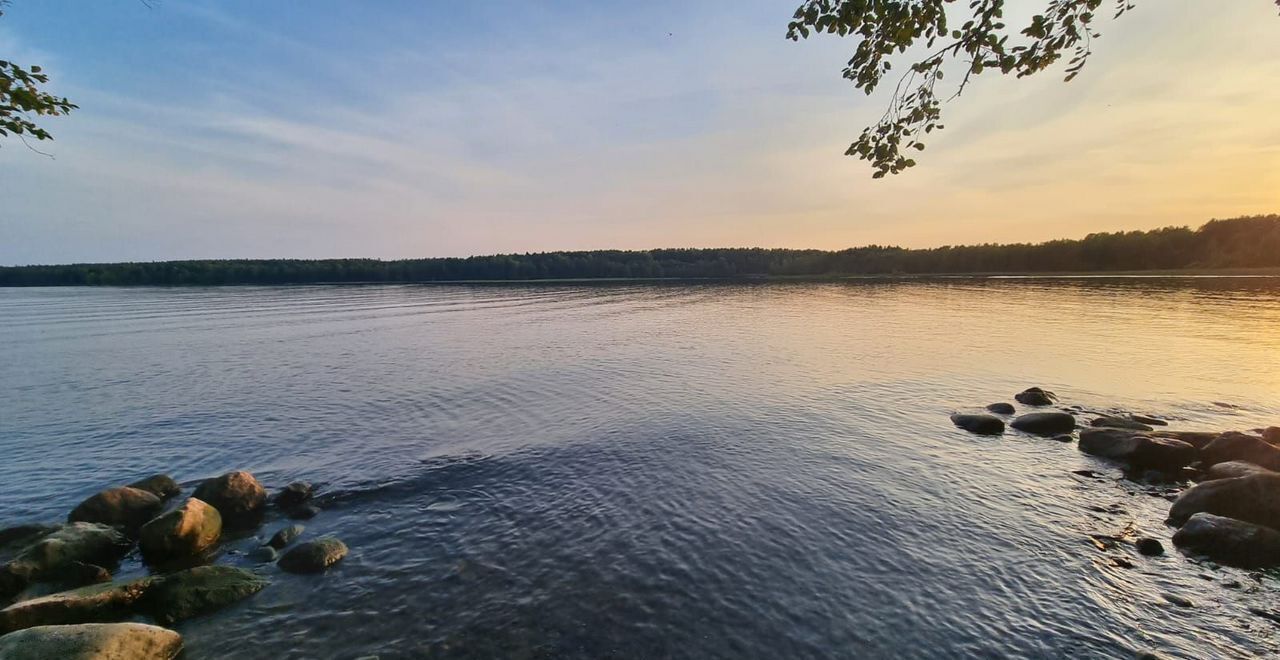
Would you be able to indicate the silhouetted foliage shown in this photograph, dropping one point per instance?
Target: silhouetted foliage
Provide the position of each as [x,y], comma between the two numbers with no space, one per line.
[981,43]
[21,98]
[1240,243]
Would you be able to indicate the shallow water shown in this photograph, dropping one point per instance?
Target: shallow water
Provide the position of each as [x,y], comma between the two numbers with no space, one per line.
[661,470]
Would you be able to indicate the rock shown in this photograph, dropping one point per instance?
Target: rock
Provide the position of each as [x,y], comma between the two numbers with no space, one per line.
[236,495]
[1233,469]
[51,557]
[161,485]
[1152,421]
[1271,434]
[285,536]
[264,554]
[1063,437]
[186,532]
[126,507]
[1001,408]
[92,641]
[1229,541]
[979,424]
[1255,499]
[1178,600]
[304,512]
[100,602]
[24,534]
[1197,439]
[293,495]
[1045,423]
[1138,450]
[1241,447]
[1149,546]
[313,556]
[1034,396]
[1120,423]
[185,594]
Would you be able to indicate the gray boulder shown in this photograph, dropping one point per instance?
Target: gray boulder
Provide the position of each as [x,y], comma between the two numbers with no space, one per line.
[52,557]
[185,594]
[161,485]
[1138,450]
[313,556]
[184,533]
[1229,541]
[294,495]
[979,424]
[285,536]
[1034,396]
[1241,447]
[1045,423]
[1233,469]
[125,507]
[1001,408]
[1255,499]
[236,495]
[92,641]
[1120,423]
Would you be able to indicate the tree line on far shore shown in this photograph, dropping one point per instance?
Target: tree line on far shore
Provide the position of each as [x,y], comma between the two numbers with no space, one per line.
[1248,242]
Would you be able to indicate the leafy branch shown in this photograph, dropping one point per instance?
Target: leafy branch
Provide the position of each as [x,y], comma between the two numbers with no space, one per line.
[22,99]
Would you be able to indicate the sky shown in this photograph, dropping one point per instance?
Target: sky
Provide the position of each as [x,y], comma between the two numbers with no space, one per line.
[317,128]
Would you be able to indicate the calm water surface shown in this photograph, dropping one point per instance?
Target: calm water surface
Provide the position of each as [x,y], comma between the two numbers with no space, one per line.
[658,471]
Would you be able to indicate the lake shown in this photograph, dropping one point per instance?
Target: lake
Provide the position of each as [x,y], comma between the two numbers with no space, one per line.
[659,470]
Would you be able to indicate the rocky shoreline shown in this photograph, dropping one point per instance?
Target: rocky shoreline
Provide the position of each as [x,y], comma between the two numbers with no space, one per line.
[59,596]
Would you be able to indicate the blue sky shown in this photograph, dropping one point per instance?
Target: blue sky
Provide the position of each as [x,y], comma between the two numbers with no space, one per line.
[398,129]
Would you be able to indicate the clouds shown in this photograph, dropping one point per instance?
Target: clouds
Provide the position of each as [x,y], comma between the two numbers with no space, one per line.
[410,131]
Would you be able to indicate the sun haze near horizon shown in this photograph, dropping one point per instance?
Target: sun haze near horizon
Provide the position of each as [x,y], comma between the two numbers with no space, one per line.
[238,129]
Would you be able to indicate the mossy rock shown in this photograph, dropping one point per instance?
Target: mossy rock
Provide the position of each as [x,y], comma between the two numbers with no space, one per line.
[199,590]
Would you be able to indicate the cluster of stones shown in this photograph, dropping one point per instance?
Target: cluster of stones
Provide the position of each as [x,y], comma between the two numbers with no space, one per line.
[62,601]
[1231,515]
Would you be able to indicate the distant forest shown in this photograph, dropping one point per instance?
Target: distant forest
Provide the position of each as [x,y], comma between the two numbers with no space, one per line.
[1250,242]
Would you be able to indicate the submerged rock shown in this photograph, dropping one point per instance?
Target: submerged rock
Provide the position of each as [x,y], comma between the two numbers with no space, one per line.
[186,532]
[1152,421]
[92,641]
[161,485]
[100,602]
[1034,396]
[185,594]
[980,424]
[1255,499]
[294,495]
[1229,541]
[285,536]
[304,512]
[313,556]
[236,495]
[264,554]
[126,507]
[1120,423]
[1241,447]
[1002,408]
[1045,423]
[1233,469]
[1149,546]
[1138,450]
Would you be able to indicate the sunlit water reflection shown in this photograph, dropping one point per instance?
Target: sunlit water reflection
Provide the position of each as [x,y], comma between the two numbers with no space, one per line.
[661,470]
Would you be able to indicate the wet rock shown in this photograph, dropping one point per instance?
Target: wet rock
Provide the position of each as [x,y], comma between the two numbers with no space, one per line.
[126,507]
[1034,396]
[313,556]
[1229,541]
[1001,408]
[161,485]
[1178,600]
[1149,546]
[1241,447]
[1233,469]
[51,557]
[236,495]
[264,554]
[24,534]
[1045,423]
[97,603]
[92,641]
[1120,423]
[1138,450]
[979,424]
[1152,421]
[1271,434]
[1063,437]
[285,536]
[304,512]
[186,532]
[1255,499]
[185,594]
[293,495]
[1197,439]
